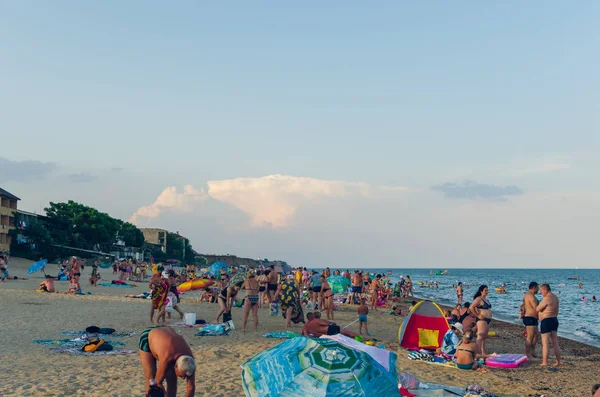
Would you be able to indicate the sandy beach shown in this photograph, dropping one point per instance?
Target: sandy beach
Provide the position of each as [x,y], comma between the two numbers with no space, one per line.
[30,369]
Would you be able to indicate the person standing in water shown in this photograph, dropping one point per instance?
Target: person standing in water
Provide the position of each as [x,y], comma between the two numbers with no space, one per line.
[459,293]
[530,318]
[548,312]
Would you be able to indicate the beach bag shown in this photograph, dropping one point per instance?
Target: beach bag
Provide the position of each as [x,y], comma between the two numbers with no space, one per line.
[92,345]
[274,309]
[227,316]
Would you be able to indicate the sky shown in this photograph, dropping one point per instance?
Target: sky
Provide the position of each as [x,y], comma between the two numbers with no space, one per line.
[342,134]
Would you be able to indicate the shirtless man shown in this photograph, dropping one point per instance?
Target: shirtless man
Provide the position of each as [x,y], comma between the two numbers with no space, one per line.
[174,356]
[356,286]
[315,326]
[548,312]
[272,283]
[530,318]
[47,285]
[409,286]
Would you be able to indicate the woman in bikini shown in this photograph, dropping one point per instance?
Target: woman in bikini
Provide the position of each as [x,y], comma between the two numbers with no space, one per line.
[465,352]
[226,298]
[262,289]
[482,309]
[327,295]
[252,301]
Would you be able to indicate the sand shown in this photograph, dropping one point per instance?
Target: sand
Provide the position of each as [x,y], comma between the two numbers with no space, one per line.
[29,369]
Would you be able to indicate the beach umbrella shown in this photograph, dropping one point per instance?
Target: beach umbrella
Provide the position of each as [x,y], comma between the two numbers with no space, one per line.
[105,265]
[195,284]
[215,268]
[172,261]
[238,277]
[315,368]
[37,266]
[338,284]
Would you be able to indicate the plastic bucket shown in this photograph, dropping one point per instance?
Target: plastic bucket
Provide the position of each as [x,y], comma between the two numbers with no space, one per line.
[190,318]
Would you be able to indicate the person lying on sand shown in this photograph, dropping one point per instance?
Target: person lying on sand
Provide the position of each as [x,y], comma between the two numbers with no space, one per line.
[174,356]
[317,327]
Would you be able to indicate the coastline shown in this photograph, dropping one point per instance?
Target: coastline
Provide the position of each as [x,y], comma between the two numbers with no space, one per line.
[32,370]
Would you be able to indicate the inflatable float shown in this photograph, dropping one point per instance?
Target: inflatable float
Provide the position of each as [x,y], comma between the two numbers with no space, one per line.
[506,360]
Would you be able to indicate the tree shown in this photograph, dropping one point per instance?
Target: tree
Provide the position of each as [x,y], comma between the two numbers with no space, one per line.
[80,226]
[131,235]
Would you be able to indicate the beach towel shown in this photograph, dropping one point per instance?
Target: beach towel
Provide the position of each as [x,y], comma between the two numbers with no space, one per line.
[76,351]
[214,330]
[121,334]
[69,342]
[282,335]
[105,284]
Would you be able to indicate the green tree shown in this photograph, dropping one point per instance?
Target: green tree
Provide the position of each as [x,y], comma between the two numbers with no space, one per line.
[81,226]
[131,235]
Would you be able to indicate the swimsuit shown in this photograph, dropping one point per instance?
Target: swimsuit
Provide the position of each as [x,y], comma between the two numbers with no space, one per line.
[548,325]
[530,321]
[272,287]
[333,329]
[262,289]
[362,318]
[463,316]
[485,306]
[466,366]
[356,289]
[253,299]
[144,345]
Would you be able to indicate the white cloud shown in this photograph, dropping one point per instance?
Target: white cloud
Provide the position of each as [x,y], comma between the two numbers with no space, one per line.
[271,200]
[169,198]
[543,168]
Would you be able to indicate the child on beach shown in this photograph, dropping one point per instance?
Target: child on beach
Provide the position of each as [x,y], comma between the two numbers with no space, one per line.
[363,311]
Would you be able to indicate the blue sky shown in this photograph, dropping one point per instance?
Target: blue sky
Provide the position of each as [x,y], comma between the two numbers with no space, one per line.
[128,99]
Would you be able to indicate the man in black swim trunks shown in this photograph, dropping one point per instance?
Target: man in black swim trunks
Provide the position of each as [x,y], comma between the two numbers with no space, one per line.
[548,312]
[530,318]
[174,356]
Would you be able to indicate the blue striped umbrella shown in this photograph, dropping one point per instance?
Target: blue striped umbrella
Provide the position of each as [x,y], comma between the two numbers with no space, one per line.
[37,266]
[304,367]
[105,266]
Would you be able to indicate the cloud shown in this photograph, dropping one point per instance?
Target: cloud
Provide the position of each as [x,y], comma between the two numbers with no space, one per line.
[473,190]
[82,177]
[116,169]
[169,198]
[543,168]
[24,171]
[272,200]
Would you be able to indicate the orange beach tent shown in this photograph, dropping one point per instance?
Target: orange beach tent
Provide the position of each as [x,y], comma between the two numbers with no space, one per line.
[424,327]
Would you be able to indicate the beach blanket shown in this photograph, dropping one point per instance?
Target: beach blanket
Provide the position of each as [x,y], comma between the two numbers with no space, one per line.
[122,334]
[76,351]
[214,330]
[105,284]
[69,342]
[282,335]
[437,390]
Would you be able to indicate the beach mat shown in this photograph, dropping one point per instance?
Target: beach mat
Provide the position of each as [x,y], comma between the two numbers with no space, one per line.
[437,390]
[69,342]
[105,284]
[76,351]
[122,334]
[282,335]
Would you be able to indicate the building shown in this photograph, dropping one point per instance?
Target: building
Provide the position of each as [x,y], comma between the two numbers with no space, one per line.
[8,207]
[157,237]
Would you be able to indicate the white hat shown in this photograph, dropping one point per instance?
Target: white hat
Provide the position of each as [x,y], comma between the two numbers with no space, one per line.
[459,327]
[165,274]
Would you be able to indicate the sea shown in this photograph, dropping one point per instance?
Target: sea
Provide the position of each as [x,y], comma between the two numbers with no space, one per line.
[579,319]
